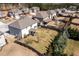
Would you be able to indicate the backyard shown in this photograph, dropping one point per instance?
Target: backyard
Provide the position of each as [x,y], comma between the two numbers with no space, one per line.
[72,47]
[41,40]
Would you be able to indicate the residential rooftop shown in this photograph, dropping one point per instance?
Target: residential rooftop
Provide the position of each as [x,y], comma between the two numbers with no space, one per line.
[42,14]
[23,22]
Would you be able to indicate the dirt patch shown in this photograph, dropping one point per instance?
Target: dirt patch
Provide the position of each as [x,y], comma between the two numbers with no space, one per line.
[14,49]
[76,52]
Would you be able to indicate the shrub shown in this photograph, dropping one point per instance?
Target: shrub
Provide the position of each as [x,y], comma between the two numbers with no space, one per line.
[74,34]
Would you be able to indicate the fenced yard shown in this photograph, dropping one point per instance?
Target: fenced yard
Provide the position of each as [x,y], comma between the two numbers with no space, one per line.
[41,40]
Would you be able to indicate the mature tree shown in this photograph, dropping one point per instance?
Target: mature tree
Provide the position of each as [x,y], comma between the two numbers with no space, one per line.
[60,41]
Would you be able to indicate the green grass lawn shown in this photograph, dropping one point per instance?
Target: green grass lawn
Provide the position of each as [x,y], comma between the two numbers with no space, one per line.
[72,47]
[43,37]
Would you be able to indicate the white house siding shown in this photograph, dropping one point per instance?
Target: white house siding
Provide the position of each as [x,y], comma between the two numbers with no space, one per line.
[25,31]
[2,41]
[17,16]
[3,27]
[54,14]
[34,26]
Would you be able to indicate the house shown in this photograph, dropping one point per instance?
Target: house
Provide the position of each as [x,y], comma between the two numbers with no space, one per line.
[51,13]
[64,10]
[18,12]
[72,8]
[1,14]
[42,16]
[2,40]
[34,10]
[14,13]
[25,10]
[16,16]
[10,13]
[69,11]
[21,27]
[3,27]
[58,11]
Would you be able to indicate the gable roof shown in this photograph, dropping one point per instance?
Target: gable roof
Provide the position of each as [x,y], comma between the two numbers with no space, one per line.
[17,11]
[23,22]
[42,14]
[35,8]
[25,10]
[51,12]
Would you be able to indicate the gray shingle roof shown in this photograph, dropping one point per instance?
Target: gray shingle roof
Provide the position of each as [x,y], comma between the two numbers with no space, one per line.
[51,11]
[17,11]
[23,22]
[36,8]
[42,14]
[26,10]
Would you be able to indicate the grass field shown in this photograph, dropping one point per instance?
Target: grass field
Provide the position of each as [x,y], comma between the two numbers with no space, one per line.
[42,39]
[72,47]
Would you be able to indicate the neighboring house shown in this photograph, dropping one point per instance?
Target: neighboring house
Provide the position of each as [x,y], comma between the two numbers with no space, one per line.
[14,13]
[17,13]
[51,13]
[69,11]
[2,40]
[43,17]
[58,11]
[72,8]
[64,10]
[17,16]
[21,27]
[1,14]
[10,13]
[25,10]
[3,27]
[34,10]
[20,12]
